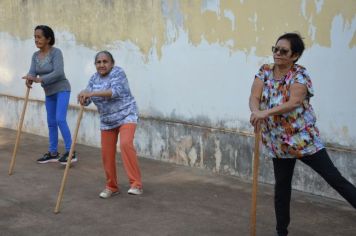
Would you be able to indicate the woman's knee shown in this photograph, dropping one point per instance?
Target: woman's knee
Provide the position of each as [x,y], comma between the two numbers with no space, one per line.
[52,123]
[126,144]
[61,121]
[283,184]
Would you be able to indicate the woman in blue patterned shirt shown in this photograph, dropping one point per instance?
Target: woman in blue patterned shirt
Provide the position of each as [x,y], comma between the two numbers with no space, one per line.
[109,90]
[279,104]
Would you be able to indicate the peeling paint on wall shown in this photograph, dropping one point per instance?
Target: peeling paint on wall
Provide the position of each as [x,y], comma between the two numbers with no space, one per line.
[201,164]
[217,156]
[151,24]
[224,153]
[95,24]
[257,22]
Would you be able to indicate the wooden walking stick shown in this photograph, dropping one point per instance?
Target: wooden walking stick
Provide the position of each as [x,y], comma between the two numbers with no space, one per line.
[255,183]
[69,160]
[13,158]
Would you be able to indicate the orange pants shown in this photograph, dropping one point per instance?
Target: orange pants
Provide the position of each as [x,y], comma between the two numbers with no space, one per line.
[128,155]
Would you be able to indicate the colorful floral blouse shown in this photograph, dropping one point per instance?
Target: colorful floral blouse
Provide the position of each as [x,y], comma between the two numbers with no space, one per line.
[293,134]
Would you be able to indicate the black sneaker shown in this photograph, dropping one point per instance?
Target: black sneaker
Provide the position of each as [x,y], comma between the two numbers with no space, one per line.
[48,157]
[64,158]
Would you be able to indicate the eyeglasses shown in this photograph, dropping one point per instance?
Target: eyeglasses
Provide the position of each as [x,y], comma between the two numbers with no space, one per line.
[282,51]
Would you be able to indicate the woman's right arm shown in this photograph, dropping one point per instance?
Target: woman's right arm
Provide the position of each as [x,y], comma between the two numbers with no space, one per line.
[84,96]
[255,96]
[32,73]
[254,103]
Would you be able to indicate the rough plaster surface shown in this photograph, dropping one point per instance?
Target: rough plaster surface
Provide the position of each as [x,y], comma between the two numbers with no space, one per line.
[221,152]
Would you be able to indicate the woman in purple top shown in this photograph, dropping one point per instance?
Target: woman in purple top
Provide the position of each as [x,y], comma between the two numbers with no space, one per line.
[47,69]
[109,90]
[279,104]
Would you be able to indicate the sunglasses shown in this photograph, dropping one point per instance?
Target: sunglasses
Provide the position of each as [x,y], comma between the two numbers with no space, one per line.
[282,51]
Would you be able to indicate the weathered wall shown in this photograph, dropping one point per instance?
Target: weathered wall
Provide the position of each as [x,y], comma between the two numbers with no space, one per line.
[221,151]
[188,62]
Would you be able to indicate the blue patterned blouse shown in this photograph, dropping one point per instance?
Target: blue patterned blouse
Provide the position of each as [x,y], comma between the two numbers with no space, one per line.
[121,107]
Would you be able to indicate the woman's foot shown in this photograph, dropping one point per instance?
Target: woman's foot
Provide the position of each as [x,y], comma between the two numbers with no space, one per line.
[107,193]
[135,191]
[48,157]
[64,158]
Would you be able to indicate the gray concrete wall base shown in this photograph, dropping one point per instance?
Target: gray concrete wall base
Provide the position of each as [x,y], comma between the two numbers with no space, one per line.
[221,151]
[229,153]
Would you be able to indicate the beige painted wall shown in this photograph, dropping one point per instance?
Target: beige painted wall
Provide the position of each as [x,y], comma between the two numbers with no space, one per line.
[246,24]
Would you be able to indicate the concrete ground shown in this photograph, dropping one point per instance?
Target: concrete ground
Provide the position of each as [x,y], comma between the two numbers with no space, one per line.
[177,200]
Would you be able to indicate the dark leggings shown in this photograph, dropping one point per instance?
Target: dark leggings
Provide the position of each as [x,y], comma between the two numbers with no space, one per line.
[283,173]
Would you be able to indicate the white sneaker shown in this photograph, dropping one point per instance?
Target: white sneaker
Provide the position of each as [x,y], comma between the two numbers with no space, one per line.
[135,191]
[106,193]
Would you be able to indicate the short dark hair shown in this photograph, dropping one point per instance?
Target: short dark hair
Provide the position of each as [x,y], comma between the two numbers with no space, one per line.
[47,33]
[107,53]
[296,43]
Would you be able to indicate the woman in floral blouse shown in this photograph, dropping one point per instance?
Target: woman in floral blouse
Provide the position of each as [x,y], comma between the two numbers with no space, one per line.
[279,104]
[109,90]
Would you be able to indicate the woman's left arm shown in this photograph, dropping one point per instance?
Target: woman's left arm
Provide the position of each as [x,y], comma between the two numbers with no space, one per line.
[85,94]
[298,93]
[119,84]
[103,93]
